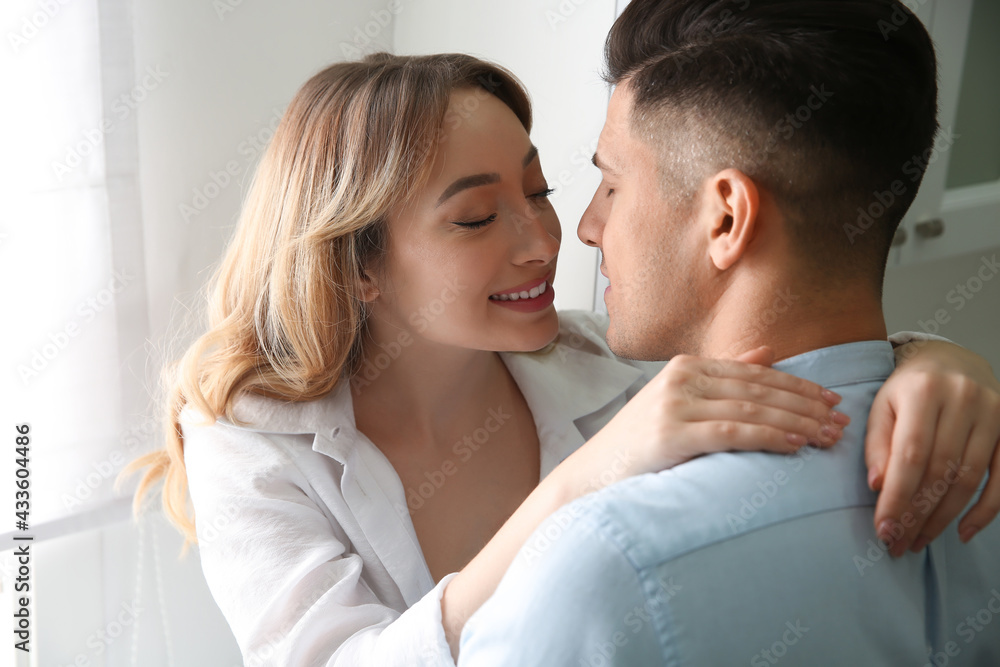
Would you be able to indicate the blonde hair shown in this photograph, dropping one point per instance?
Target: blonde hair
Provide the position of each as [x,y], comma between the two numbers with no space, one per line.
[285,315]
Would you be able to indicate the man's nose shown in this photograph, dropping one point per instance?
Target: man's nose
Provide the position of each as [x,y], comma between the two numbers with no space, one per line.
[591,225]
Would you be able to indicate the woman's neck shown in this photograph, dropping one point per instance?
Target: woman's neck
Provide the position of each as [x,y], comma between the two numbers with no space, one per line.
[424,391]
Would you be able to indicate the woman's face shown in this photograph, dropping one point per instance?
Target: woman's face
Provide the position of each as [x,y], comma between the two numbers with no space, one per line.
[471,256]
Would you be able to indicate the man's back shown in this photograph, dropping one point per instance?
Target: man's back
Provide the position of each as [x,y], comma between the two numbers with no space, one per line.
[746,559]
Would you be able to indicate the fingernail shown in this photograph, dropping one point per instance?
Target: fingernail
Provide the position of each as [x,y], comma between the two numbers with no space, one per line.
[830,397]
[872,478]
[796,439]
[829,432]
[885,531]
[968,533]
[839,418]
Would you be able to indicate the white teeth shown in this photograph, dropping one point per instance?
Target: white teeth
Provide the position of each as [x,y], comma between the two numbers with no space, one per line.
[514,296]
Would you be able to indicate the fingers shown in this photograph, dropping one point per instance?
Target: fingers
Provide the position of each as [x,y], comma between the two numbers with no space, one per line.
[750,412]
[700,375]
[986,508]
[895,512]
[947,484]
[881,422]
[815,409]
[727,435]
[762,356]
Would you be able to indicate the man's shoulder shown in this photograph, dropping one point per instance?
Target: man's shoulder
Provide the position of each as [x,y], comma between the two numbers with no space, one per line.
[715,499]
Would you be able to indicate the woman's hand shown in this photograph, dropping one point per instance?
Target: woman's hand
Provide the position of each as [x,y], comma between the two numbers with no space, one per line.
[698,406]
[933,433]
[693,406]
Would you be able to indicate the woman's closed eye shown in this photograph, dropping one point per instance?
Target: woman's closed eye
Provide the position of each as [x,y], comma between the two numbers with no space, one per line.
[544,194]
[476,224]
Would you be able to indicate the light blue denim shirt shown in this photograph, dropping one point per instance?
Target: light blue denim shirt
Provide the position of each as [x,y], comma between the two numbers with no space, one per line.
[746,559]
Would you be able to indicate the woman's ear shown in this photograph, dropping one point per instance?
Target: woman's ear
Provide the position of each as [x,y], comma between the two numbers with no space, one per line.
[734,204]
[369,287]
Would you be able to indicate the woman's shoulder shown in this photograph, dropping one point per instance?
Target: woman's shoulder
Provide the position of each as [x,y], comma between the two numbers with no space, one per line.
[583,330]
[264,414]
[586,331]
[263,433]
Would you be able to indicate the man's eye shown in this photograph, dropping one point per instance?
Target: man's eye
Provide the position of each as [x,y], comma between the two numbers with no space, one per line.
[611,191]
[476,224]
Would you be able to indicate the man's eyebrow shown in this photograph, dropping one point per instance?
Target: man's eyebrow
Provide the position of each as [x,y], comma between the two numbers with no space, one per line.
[466,182]
[477,180]
[599,163]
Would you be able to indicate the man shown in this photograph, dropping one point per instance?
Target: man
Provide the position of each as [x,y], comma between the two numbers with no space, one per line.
[741,141]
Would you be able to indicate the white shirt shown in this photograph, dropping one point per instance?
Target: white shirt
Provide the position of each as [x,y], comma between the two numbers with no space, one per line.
[304,533]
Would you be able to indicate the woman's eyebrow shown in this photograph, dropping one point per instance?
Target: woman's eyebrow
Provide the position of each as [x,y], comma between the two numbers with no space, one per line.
[477,180]
[466,182]
[532,154]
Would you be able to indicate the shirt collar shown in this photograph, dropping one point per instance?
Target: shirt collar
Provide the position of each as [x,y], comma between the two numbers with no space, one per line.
[560,384]
[837,365]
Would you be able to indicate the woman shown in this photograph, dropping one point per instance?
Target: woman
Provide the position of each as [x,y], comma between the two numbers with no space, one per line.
[363,460]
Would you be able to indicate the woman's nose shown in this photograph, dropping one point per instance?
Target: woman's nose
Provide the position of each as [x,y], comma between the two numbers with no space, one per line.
[537,236]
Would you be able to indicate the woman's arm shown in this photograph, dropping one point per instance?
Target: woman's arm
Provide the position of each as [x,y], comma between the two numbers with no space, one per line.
[692,402]
[933,435]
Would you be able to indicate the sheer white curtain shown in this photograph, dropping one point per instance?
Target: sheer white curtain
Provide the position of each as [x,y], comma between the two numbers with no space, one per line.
[71,256]
[74,300]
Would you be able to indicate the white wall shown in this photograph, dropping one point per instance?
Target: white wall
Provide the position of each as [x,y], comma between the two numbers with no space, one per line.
[230,74]
[555,48]
[951,291]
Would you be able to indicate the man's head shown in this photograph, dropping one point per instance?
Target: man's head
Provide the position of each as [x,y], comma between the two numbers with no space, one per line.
[746,137]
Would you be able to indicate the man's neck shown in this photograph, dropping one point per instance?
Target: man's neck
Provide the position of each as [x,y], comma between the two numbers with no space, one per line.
[792,320]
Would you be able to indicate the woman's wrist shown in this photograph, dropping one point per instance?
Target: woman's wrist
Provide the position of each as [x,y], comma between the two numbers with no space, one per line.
[471,587]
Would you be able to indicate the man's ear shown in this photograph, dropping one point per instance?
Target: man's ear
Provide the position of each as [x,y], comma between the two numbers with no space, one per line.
[733,203]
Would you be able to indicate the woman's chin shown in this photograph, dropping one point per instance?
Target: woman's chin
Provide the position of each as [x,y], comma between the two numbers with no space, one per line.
[540,335]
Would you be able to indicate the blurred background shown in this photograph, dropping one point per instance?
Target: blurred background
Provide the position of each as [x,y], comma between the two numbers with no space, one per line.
[129,136]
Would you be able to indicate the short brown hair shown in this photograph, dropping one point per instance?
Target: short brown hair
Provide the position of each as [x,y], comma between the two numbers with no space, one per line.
[825,103]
